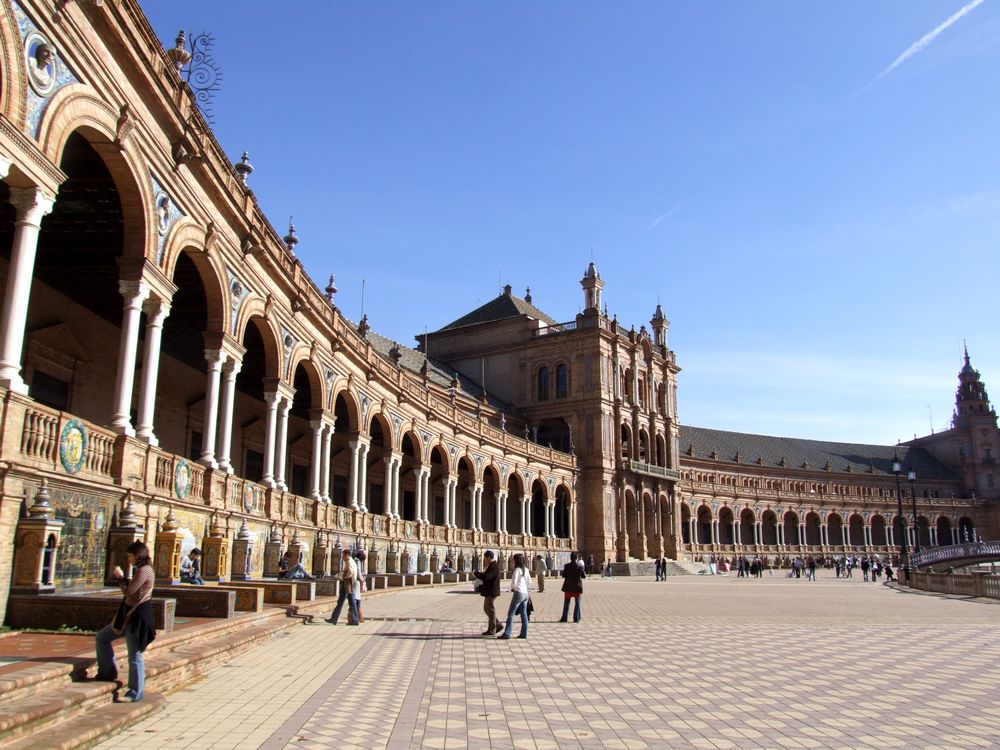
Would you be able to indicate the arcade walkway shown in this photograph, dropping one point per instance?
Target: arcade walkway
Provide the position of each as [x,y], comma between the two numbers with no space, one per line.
[690,663]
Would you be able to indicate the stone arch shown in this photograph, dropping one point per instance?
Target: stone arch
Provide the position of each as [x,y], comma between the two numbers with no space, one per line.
[271,339]
[879,537]
[923,531]
[313,373]
[563,511]
[790,522]
[944,531]
[184,240]
[74,109]
[537,507]
[966,530]
[644,446]
[13,76]
[625,433]
[685,511]
[726,520]
[813,536]
[748,527]
[515,491]
[856,530]
[835,530]
[349,409]
[769,527]
[703,524]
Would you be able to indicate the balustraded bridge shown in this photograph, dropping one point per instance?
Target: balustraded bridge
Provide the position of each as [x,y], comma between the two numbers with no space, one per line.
[957,556]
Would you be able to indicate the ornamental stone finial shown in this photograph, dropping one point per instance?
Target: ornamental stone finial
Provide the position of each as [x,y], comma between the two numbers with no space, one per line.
[275,535]
[331,289]
[42,508]
[291,240]
[170,523]
[244,168]
[244,533]
[128,518]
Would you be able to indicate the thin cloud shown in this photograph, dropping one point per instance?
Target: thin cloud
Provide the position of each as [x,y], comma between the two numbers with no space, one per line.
[921,44]
[668,214]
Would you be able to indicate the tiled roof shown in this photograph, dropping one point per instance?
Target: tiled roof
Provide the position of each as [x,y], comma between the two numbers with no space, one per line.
[503,307]
[799,453]
[437,372]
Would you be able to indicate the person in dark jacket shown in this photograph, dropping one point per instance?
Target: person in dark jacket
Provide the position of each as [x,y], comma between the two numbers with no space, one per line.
[490,590]
[572,587]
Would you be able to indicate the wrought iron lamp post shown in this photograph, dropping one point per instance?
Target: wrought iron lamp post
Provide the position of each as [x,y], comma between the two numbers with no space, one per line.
[897,469]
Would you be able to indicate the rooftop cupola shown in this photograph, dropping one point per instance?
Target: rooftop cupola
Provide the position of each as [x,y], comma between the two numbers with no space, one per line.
[593,288]
[660,325]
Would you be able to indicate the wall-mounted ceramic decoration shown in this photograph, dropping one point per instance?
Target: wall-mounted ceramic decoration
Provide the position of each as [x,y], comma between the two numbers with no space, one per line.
[182,479]
[73,446]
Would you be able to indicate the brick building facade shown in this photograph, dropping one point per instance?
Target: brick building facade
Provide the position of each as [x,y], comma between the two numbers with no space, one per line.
[163,350]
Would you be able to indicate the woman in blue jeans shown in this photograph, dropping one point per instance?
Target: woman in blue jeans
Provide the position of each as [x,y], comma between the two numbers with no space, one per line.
[519,598]
[134,620]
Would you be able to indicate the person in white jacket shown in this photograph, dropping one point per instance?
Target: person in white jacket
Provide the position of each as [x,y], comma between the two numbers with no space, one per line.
[519,598]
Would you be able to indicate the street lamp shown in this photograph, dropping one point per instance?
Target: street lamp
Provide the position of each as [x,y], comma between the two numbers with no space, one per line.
[897,469]
[912,476]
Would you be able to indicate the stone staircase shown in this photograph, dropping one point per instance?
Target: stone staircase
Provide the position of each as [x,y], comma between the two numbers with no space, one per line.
[633,568]
[54,705]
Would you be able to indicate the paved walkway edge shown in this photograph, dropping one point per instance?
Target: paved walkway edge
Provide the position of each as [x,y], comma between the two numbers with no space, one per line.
[294,723]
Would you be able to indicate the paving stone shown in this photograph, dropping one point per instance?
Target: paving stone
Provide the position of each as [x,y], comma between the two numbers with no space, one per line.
[690,663]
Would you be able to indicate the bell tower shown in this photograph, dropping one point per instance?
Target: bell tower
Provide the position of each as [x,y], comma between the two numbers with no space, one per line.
[976,422]
[593,289]
[660,325]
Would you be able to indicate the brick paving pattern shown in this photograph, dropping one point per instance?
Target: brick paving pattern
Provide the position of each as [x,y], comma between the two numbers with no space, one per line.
[691,663]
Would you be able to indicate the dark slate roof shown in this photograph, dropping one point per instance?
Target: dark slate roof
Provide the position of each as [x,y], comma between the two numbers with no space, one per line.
[503,307]
[816,454]
[437,372]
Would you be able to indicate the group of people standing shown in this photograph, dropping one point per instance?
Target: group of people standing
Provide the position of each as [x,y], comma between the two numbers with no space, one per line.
[521,606]
[871,567]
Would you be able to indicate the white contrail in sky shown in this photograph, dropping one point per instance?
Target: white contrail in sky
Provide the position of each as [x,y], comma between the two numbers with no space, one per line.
[921,44]
[664,217]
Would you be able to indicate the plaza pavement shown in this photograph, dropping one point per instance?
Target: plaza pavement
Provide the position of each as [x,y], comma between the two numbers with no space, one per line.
[694,662]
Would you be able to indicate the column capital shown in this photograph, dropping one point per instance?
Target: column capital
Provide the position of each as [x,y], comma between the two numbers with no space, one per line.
[134,292]
[271,398]
[32,204]
[5,165]
[214,358]
[157,309]
[231,367]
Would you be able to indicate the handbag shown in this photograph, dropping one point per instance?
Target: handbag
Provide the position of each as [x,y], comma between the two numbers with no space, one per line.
[529,607]
[118,630]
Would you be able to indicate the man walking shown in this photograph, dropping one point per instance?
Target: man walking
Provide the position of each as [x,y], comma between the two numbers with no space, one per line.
[490,589]
[572,587]
[540,570]
[348,575]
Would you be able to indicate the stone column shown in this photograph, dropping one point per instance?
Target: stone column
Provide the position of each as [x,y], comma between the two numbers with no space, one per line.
[229,372]
[363,478]
[890,535]
[316,491]
[156,311]
[327,448]
[214,358]
[281,449]
[501,512]
[427,495]
[134,293]
[270,425]
[387,488]
[352,493]
[32,205]
[933,533]
[397,487]
[525,517]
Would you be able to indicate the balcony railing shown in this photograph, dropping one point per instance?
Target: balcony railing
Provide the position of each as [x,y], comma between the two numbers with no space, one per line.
[654,471]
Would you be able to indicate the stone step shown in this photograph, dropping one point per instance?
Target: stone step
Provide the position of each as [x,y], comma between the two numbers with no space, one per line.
[53,706]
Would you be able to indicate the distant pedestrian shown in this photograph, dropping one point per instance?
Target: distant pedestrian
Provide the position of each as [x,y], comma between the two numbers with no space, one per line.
[590,565]
[659,570]
[540,571]
[572,588]
[490,590]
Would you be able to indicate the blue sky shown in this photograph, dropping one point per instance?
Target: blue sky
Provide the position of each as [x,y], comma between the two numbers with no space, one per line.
[820,237]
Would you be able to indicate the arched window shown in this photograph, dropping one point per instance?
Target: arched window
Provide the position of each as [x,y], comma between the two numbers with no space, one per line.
[543,384]
[562,381]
